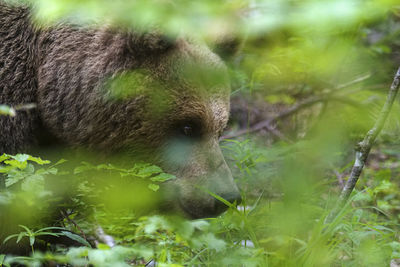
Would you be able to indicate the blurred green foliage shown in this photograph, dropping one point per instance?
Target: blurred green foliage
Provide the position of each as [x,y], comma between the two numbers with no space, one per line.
[340,53]
[284,230]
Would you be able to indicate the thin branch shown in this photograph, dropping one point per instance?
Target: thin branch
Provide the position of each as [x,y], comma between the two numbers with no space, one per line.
[28,106]
[357,80]
[66,216]
[364,148]
[267,124]
[12,111]
[278,134]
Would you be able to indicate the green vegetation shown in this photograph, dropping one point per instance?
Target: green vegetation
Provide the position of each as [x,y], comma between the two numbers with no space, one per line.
[315,72]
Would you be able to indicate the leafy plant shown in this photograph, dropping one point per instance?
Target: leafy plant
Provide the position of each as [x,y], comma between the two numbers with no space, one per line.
[31,235]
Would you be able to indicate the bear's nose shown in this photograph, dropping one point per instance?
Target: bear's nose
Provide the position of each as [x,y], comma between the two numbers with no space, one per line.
[230,197]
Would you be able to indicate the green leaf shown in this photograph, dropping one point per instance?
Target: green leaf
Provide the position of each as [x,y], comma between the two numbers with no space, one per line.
[7,110]
[77,238]
[17,164]
[155,223]
[154,187]
[2,257]
[11,180]
[85,167]
[50,228]
[29,231]
[200,225]
[31,240]
[4,157]
[5,169]
[149,170]
[212,242]
[33,183]
[61,161]
[47,233]
[21,157]
[219,198]
[102,246]
[162,177]
[10,237]
[52,171]
[38,160]
[20,236]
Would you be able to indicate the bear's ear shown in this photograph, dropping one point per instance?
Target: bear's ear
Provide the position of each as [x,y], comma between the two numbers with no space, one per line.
[227,46]
[149,43]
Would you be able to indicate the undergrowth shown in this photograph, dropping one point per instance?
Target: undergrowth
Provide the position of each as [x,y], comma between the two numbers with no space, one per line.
[279,223]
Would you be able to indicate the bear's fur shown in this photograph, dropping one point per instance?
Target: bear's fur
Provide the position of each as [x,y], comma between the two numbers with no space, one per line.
[175,107]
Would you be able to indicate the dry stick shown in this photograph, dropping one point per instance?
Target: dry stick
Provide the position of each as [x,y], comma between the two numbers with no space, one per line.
[357,80]
[364,148]
[28,106]
[267,124]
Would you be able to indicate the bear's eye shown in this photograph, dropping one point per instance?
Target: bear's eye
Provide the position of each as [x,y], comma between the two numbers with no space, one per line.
[190,129]
[187,130]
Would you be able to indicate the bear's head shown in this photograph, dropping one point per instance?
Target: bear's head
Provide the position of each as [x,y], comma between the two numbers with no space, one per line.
[187,111]
[167,102]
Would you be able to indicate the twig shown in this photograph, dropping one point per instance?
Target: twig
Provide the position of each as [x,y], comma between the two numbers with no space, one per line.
[66,216]
[28,106]
[312,101]
[278,134]
[267,124]
[12,111]
[364,148]
[357,80]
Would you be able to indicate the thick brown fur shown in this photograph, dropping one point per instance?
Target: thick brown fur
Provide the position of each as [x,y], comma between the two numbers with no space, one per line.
[67,71]
[18,76]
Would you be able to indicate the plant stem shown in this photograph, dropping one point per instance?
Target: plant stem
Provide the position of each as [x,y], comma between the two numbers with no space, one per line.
[364,147]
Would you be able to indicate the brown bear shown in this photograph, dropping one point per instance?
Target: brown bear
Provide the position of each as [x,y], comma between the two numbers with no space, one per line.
[110,90]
